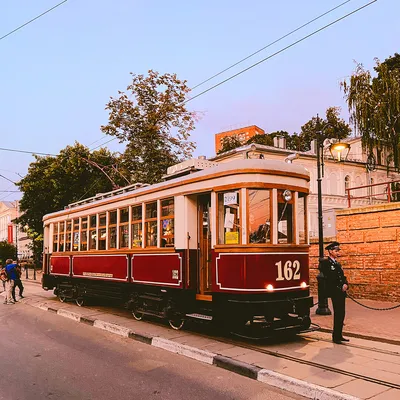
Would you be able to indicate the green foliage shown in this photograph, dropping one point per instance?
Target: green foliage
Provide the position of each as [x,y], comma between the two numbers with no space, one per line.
[331,127]
[229,143]
[54,182]
[264,139]
[374,105]
[153,121]
[7,250]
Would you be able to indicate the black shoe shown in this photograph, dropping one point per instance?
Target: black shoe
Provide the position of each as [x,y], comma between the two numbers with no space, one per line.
[344,339]
[21,297]
[336,341]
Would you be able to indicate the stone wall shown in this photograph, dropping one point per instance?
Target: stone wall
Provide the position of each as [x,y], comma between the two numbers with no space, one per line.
[370,242]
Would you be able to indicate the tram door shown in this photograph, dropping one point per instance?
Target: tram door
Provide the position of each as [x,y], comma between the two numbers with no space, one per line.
[204,264]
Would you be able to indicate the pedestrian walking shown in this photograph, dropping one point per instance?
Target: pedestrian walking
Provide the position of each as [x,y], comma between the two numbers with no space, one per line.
[18,283]
[11,276]
[336,288]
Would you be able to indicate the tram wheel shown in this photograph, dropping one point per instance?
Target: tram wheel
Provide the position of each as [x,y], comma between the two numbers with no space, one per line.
[176,323]
[80,301]
[137,315]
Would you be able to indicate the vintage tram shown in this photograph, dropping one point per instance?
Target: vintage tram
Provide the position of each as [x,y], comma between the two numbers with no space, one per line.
[223,242]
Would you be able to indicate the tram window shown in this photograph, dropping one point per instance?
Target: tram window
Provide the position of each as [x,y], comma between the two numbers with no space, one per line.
[137,226]
[285,220]
[84,226]
[301,217]
[123,228]
[228,218]
[92,232]
[68,236]
[55,237]
[167,224]
[62,236]
[151,224]
[102,232]
[75,235]
[259,224]
[112,230]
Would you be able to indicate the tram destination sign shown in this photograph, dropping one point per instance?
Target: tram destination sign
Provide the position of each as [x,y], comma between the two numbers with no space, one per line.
[230,198]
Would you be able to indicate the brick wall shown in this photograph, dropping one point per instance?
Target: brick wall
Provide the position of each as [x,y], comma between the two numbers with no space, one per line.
[370,243]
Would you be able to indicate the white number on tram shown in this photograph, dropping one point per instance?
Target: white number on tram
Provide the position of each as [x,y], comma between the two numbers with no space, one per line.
[289,271]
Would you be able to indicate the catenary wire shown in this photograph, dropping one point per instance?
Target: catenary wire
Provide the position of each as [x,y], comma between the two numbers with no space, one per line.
[242,71]
[281,50]
[32,20]
[270,44]
[272,55]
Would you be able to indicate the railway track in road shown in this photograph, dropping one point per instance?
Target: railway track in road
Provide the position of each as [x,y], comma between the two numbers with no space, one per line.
[195,329]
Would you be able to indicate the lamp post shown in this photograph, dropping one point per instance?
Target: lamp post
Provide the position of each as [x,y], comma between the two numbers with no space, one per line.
[337,152]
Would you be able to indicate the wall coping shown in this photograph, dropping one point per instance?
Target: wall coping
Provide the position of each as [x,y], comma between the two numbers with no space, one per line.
[369,209]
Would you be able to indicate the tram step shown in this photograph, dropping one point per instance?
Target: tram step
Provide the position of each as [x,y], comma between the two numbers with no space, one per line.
[200,316]
[150,297]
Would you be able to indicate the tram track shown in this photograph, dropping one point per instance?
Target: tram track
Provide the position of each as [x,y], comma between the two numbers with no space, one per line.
[195,329]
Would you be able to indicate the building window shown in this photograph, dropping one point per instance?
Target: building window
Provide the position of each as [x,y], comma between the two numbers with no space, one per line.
[68,236]
[137,231]
[123,228]
[93,232]
[112,230]
[167,223]
[151,224]
[259,224]
[228,217]
[84,235]
[102,231]
[55,237]
[285,219]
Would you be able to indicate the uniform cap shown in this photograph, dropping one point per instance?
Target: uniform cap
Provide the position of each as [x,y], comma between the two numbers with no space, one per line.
[333,246]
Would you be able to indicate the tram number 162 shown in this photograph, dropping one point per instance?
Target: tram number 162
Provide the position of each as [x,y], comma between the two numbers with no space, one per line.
[289,271]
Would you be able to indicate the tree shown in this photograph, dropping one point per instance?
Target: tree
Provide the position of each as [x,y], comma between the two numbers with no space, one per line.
[54,182]
[7,250]
[154,122]
[374,105]
[229,143]
[332,126]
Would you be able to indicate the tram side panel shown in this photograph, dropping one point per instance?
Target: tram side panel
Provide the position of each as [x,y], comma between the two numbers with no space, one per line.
[266,284]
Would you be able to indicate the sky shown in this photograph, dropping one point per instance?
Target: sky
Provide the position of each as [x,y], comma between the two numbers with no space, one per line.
[58,72]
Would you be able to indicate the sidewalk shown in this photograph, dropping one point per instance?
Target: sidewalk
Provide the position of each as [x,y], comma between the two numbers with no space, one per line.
[365,323]
[378,361]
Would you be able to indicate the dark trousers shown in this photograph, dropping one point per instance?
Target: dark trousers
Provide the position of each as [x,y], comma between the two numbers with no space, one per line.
[18,283]
[339,312]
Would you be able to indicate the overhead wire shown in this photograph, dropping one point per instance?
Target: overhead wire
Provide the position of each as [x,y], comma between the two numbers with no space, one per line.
[281,50]
[271,43]
[32,20]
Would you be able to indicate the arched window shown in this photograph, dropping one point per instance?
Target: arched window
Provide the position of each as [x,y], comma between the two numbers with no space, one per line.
[346,183]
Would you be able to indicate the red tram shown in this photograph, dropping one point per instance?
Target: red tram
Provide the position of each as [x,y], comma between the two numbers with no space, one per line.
[225,242]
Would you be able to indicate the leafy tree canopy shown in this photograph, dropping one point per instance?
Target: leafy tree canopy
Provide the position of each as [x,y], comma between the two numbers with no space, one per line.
[7,250]
[229,143]
[153,120]
[54,182]
[331,127]
[374,105]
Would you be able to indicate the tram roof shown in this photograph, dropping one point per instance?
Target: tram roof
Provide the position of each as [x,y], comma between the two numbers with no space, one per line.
[241,166]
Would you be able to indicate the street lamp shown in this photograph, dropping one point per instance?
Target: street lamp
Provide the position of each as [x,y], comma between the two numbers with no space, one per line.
[339,152]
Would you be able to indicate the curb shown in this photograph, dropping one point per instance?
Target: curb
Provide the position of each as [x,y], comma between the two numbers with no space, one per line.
[266,376]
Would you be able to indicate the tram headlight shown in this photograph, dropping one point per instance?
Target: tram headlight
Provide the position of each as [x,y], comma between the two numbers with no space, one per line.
[270,288]
[287,195]
[303,285]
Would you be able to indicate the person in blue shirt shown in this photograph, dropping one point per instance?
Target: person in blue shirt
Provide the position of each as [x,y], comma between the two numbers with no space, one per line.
[11,277]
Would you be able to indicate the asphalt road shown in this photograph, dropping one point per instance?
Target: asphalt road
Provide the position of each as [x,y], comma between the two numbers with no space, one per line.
[45,356]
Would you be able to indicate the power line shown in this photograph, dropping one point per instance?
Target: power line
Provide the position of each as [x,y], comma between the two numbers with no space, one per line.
[27,152]
[280,51]
[33,19]
[270,44]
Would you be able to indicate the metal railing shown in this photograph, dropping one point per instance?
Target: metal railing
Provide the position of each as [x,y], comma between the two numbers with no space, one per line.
[387,192]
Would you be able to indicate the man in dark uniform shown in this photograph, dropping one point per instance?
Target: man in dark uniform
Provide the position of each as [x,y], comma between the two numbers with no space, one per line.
[336,288]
